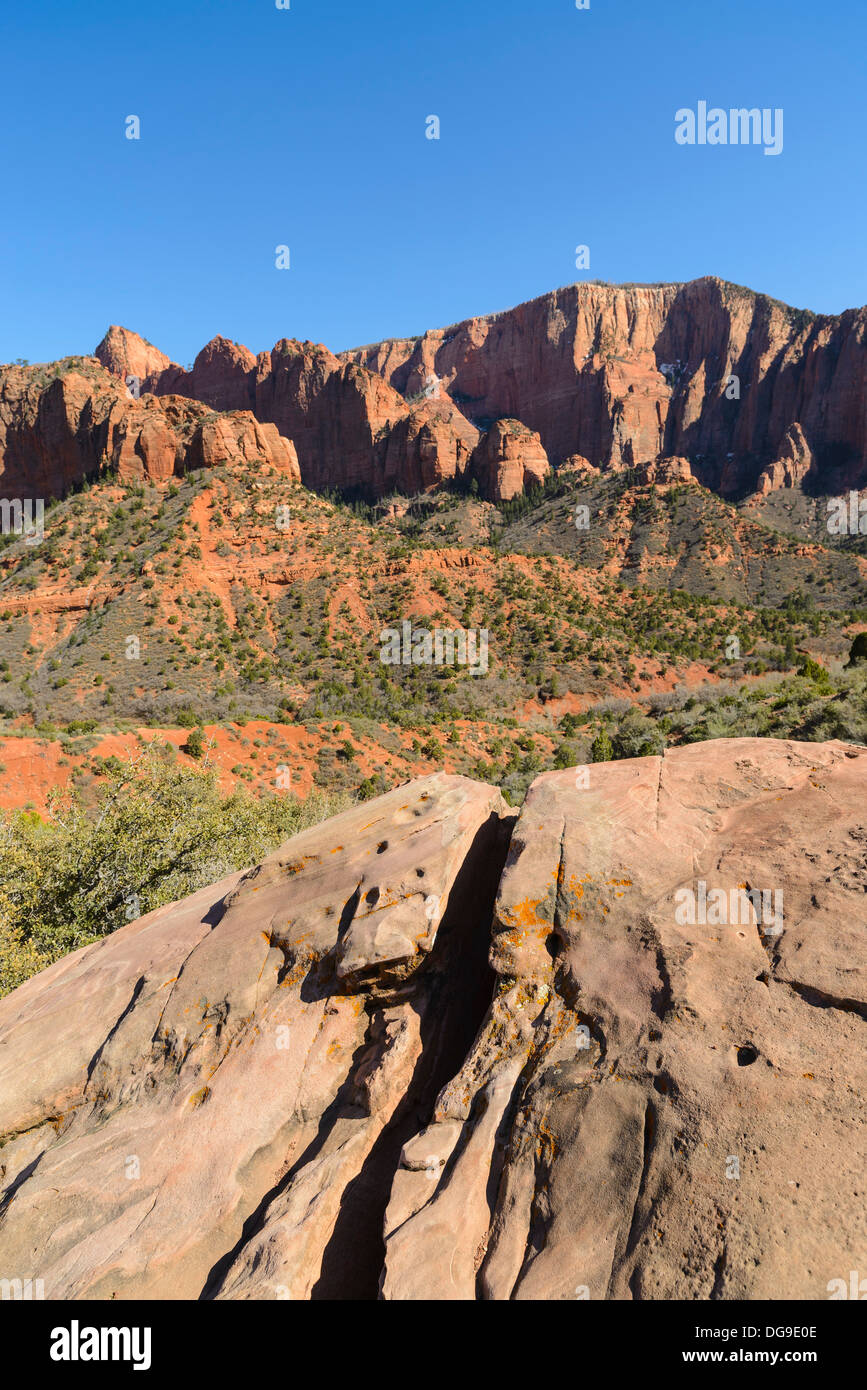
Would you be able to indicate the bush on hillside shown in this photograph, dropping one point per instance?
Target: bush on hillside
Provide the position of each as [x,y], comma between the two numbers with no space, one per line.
[159,830]
[601,749]
[636,736]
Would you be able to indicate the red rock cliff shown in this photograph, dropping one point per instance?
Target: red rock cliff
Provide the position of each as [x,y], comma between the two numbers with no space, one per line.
[622,375]
[73,419]
[353,431]
[753,394]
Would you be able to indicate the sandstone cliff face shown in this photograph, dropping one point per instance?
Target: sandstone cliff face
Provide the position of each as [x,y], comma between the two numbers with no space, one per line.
[431,445]
[353,432]
[424,1051]
[236,436]
[753,394]
[60,426]
[623,374]
[666,472]
[509,459]
[339,415]
[793,467]
[54,431]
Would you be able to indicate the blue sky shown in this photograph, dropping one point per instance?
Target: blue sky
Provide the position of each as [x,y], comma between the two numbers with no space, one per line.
[306,127]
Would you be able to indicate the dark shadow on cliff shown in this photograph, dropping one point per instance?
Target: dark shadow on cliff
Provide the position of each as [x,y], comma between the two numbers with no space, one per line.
[454,988]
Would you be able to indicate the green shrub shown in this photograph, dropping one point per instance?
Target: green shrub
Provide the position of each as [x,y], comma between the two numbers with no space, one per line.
[811,670]
[195,744]
[158,831]
[567,755]
[601,749]
[636,736]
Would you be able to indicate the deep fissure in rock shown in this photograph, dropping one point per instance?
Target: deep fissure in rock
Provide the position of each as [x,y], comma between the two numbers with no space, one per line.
[460,985]
[457,985]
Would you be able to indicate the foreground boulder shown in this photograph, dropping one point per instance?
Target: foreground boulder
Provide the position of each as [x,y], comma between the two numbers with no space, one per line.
[283,1032]
[662,1108]
[331,1077]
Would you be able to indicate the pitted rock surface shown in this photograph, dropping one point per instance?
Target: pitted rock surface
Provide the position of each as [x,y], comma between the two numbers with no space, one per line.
[609,1048]
[158,1085]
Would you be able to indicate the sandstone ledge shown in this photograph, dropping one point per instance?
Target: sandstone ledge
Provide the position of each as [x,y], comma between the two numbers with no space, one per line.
[431,1050]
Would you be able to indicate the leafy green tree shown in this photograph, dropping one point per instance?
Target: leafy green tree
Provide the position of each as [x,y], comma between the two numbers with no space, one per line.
[601,749]
[195,744]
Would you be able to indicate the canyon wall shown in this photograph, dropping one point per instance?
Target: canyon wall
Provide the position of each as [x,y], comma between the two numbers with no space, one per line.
[352,430]
[753,394]
[622,375]
[74,419]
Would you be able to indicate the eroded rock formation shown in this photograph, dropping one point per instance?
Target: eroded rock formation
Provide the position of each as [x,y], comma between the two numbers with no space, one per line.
[397,1059]
[751,394]
[352,430]
[75,419]
[622,374]
[509,459]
